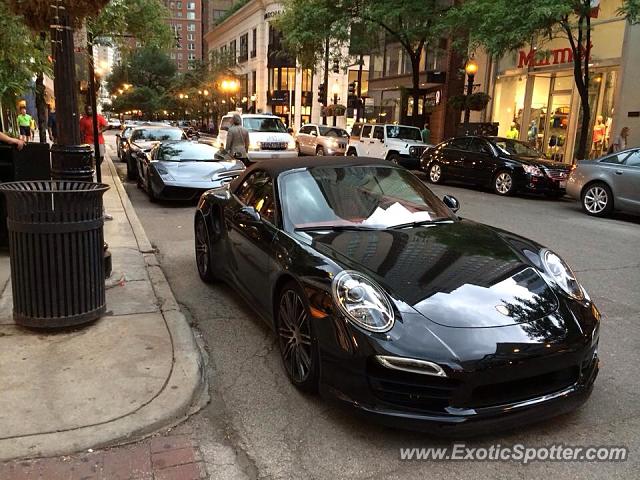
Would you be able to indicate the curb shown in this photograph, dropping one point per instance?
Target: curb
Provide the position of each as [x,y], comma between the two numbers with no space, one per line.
[185,390]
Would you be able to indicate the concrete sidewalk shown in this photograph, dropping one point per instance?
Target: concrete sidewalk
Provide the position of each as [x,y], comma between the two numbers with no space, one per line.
[130,373]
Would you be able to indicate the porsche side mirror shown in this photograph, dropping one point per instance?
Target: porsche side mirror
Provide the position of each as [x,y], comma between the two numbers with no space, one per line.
[451,202]
[248,214]
[221,194]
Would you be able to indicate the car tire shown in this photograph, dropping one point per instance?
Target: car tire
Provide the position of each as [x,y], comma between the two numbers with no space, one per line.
[296,339]
[298,149]
[132,171]
[394,158]
[152,196]
[319,152]
[435,173]
[352,152]
[503,183]
[597,199]
[204,261]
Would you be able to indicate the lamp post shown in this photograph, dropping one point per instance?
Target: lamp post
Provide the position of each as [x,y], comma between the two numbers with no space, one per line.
[254,97]
[335,89]
[471,68]
[229,87]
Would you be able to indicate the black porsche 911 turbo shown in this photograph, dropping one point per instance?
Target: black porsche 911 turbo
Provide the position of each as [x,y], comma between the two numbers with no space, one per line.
[383,298]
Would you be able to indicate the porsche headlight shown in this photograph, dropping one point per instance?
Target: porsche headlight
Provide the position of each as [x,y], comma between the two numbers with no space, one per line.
[164,174]
[561,274]
[362,301]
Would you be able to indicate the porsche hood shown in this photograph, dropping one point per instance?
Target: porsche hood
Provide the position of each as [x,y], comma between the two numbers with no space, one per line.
[460,274]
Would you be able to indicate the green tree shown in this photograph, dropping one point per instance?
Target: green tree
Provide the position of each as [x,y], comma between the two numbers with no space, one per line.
[529,22]
[413,24]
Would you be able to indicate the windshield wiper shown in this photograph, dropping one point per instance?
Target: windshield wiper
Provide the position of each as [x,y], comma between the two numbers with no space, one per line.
[337,228]
[419,223]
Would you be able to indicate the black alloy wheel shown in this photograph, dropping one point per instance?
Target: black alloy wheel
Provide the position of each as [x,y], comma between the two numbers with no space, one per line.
[298,149]
[597,200]
[203,251]
[298,349]
[352,152]
[503,183]
[152,196]
[435,173]
[132,168]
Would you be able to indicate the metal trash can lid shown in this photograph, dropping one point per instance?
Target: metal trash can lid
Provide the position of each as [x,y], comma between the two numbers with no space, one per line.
[52,187]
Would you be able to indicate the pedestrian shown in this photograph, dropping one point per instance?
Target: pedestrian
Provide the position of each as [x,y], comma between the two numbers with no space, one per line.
[4,138]
[426,133]
[620,143]
[24,124]
[238,140]
[513,132]
[51,123]
[86,132]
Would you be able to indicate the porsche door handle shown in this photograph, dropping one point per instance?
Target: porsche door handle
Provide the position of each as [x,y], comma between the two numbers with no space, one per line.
[619,172]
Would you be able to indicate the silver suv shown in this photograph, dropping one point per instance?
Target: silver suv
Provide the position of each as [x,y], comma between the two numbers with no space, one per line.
[321,140]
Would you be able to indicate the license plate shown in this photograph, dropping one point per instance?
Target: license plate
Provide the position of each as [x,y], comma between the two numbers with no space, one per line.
[562,184]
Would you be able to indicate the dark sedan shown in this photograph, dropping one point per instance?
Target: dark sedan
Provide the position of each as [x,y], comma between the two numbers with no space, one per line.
[142,140]
[505,165]
[381,297]
[183,170]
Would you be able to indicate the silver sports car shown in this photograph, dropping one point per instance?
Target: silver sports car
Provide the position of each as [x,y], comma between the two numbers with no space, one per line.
[608,183]
[184,169]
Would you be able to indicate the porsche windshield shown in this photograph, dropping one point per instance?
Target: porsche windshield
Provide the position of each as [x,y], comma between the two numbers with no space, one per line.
[187,152]
[357,197]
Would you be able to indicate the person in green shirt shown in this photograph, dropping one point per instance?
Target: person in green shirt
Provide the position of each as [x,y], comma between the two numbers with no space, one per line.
[426,133]
[24,124]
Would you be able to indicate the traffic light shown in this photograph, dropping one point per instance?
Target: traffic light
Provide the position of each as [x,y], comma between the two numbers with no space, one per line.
[322,94]
[352,88]
[336,66]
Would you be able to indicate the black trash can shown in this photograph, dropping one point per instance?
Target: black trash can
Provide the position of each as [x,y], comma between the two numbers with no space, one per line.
[56,244]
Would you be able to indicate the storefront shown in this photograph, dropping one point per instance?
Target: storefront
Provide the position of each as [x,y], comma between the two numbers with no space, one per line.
[535,90]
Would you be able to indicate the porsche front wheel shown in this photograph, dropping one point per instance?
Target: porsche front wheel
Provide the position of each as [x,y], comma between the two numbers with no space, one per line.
[203,251]
[298,348]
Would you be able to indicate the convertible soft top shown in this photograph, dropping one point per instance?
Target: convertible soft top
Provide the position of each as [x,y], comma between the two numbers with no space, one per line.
[276,166]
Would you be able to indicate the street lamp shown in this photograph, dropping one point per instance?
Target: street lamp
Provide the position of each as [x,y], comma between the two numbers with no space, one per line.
[254,97]
[471,68]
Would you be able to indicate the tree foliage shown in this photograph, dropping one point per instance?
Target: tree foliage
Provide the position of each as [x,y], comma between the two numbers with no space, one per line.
[40,14]
[122,20]
[534,22]
[21,55]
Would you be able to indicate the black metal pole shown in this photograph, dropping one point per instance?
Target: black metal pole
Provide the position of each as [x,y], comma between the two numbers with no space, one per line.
[335,102]
[359,89]
[94,109]
[467,112]
[326,79]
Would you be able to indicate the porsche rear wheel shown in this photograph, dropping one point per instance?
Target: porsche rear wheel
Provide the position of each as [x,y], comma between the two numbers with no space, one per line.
[298,348]
[149,189]
[203,251]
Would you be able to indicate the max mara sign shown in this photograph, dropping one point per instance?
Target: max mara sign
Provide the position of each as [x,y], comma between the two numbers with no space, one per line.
[556,56]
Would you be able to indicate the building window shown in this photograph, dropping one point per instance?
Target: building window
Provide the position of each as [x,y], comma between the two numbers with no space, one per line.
[180,65]
[232,50]
[173,55]
[254,45]
[179,14]
[191,27]
[192,56]
[179,5]
[254,81]
[191,5]
[244,48]
[191,46]
[179,55]
[218,13]
[191,36]
[191,15]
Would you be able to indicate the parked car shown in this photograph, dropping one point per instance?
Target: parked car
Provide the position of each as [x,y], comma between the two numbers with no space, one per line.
[505,165]
[113,123]
[122,142]
[400,144]
[608,183]
[321,140]
[143,139]
[380,296]
[267,135]
[184,169]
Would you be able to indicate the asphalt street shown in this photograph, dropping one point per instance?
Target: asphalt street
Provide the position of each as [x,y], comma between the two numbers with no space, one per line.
[281,433]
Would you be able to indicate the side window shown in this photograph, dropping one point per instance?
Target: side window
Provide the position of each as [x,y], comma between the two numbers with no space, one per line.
[479,146]
[633,160]
[225,123]
[355,131]
[366,131]
[304,130]
[378,132]
[459,143]
[257,192]
[615,159]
